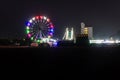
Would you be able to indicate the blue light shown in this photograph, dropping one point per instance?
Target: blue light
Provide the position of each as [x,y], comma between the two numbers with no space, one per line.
[51,30]
[28,24]
[51,33]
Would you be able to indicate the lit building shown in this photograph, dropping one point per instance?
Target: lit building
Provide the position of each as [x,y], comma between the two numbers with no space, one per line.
[69,34]
[87,30]
[82,28]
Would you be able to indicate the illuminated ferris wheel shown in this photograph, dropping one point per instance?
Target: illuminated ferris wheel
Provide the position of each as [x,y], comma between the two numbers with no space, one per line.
[38,28]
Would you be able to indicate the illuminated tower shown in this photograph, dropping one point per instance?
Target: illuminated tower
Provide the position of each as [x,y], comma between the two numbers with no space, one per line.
[87,31]
[69,34]
[82,28]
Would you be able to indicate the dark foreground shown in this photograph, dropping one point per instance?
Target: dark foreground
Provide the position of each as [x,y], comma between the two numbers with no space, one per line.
[62,63]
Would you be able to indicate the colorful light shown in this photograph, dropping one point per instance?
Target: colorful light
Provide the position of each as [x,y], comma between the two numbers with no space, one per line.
[29,35]
[33,18]
[31,38]
[45,17]
[38,41]
[28,31]
[28,24]
[51,26]
[51,30]
[27,28]
[37,17]
[48,20]
[31,21]
[30,27]
[51,34]
[41,17]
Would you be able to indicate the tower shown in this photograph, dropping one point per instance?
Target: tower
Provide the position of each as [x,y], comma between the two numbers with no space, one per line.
[82,28]
[69,34]
[87,30]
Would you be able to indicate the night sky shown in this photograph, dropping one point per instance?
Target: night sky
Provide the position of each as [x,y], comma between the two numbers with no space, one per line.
[102,15]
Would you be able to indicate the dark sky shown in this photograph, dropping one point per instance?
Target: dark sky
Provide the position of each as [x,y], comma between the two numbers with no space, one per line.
[102,15]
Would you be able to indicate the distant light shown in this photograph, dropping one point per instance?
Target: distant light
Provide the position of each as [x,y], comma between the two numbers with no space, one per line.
[48,20]
[51,26]
[45,17]
[28,24]
[109,41]
[41,17]
[45,40]
[86,28]
[31,38]
[49,36]
[29,35]
[37,17]
[96,41]
[28,31]
[33,18]
[31,21]
[27,28]
[51,30]
[51,33]
[38,41]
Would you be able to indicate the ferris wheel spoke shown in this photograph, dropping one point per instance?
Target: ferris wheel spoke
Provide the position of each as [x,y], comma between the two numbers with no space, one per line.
[39,27]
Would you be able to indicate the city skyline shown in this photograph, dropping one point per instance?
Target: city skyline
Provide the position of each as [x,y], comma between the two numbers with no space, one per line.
[102,15]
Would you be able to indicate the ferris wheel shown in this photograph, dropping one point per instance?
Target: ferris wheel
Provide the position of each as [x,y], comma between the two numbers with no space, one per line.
[38,28]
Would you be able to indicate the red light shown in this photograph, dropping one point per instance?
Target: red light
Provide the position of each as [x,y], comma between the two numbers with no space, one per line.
[37,17]
[51,26]
[29,35]
[41,17]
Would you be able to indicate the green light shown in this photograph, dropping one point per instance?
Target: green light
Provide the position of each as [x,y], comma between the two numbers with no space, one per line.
[38,41]
[28,31]
[31,38]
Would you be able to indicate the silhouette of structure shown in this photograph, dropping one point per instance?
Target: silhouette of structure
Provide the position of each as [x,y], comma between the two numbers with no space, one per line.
[69,34]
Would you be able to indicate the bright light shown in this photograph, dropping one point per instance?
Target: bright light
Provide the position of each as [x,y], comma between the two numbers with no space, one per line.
[31,21]
[104,41]
[41,17]
[48,20]
[117,41]
[45,17]
[28,24]
[31,38]
[51,33]
[51,26]
[96,41]
[28,31]
[33,18]
[37,17]
[29,35]
[51,30]
[38,41]
[109,41]
[27,28]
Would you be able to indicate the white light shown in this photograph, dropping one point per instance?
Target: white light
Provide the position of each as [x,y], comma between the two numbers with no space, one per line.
[96,41]
[31,21]
[109,41]
[33,18]
[45,17]
[116,41]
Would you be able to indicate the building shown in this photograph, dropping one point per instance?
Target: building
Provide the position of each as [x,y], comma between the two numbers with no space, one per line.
[87,30]
[69,34]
